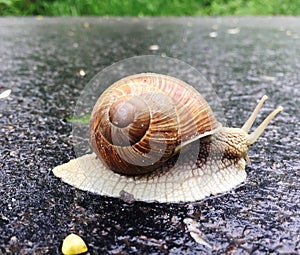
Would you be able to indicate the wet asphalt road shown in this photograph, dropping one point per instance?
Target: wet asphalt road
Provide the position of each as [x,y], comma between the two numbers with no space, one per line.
[243,58]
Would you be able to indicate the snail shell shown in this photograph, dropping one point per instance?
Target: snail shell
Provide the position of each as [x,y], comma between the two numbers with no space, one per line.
[142,120]
[138,127]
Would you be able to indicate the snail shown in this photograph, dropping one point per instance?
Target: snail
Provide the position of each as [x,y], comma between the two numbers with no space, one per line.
[155,138]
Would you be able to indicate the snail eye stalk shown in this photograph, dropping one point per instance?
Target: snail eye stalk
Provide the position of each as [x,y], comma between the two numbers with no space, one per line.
[252,138]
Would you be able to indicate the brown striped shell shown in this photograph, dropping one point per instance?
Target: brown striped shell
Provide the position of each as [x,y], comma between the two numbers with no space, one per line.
[142,120]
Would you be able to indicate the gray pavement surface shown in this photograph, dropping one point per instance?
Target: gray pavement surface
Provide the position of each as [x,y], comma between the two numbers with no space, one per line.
[243,58]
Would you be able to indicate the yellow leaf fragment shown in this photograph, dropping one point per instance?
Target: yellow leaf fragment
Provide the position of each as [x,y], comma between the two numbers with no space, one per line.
[73,244]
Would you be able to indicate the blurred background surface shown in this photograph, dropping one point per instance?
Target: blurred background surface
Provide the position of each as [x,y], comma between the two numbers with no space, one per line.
[148,8]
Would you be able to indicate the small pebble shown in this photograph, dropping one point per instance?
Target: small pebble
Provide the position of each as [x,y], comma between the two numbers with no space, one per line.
[268,78]
[82,73]
[126,197]
[213,34]
[154,47]
[87,25]
[233,31]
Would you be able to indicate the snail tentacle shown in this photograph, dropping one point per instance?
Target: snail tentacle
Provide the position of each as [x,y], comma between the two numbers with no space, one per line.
[248,124]
[252,138]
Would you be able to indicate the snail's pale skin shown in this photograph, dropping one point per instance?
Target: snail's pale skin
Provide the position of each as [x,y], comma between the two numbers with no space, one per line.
[200,163]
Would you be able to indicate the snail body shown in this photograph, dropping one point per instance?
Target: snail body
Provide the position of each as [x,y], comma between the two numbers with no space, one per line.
[158,140]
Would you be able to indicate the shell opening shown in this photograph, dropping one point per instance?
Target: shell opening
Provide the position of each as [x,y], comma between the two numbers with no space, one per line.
[252,138]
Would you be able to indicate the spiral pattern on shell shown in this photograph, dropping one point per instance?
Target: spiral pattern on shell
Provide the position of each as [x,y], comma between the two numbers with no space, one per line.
[138,123]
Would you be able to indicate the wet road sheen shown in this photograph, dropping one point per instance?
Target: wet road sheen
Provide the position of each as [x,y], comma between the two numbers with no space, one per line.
[46,63]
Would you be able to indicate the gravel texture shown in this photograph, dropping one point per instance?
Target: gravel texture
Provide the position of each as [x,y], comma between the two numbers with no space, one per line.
[47,62]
